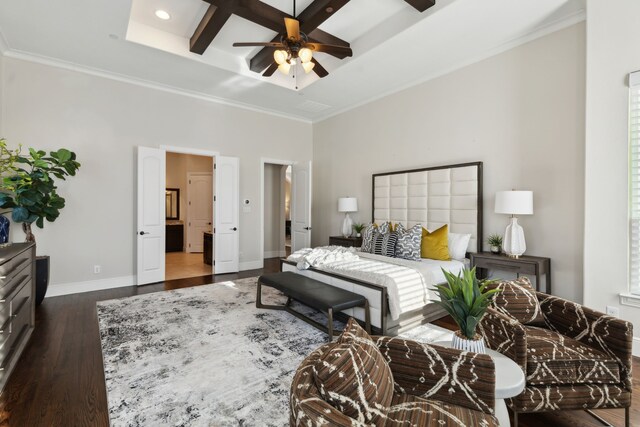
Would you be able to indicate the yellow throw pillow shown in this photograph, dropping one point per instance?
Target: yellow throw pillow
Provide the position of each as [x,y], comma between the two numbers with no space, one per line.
[435,245]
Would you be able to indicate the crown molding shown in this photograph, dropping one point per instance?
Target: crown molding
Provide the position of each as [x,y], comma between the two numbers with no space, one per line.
[539,32]
[58,63]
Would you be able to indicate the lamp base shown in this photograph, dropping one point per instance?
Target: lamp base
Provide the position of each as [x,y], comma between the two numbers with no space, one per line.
[513,243]
[347,225]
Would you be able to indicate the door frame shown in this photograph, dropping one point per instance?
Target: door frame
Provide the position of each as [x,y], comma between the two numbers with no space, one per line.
[264,161]
[196,152]
[189,175]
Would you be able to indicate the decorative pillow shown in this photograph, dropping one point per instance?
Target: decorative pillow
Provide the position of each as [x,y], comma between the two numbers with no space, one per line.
[354,377]
[384,244]
[435,244]
[517,299]
[367,238]
[384,228]
[409,241]
[458,244]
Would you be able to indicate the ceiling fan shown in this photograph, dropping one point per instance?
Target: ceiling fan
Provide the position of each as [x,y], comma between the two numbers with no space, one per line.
[294,46]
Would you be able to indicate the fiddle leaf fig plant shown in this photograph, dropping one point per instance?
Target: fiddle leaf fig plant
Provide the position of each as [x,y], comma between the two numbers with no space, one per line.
[465,299]
[28,184]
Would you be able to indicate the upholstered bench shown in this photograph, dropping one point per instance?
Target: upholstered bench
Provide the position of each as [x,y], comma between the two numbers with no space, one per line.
[312,293]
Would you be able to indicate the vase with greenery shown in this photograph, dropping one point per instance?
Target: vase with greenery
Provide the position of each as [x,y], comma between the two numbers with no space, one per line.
[28,188]
[495,243]
[358,227]
[466,299]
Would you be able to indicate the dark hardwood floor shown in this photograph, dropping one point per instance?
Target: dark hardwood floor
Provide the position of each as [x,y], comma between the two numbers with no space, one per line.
[59,380]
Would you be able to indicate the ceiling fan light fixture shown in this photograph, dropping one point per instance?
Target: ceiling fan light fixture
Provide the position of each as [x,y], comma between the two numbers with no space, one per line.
[308,66]
[284,68]
[305,54]
[280,56]
[163,14]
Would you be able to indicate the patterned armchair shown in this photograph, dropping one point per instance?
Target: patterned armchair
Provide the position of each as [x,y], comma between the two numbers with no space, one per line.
[384,381]
[573,357]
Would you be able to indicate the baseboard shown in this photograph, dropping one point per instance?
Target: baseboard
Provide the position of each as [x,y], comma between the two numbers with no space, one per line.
[635,348]
[89,286]
[250,265]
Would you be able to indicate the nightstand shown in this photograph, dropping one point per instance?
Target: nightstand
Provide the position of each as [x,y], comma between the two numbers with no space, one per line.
[345,241]
[526,264]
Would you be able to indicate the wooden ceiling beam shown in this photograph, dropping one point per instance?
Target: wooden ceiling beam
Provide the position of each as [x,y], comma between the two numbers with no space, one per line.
[318,12]
[209,27]
[257,12]
[421,5]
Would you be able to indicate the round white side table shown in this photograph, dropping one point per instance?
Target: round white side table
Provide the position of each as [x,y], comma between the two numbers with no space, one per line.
[510,381]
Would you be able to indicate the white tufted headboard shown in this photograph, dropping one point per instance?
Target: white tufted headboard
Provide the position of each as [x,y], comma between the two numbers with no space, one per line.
[432,197]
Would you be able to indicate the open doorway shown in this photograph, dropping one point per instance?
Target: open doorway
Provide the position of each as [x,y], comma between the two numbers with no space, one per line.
[189,248]
[276,210]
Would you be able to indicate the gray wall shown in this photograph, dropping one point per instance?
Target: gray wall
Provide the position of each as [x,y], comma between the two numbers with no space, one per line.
[103,121]
[520,112]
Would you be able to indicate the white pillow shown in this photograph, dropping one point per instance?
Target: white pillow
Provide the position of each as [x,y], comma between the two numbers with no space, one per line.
[458,244]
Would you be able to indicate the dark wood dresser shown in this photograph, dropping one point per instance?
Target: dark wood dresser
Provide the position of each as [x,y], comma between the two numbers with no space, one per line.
[207,248]
[174,237]
[17,304]
[345,241]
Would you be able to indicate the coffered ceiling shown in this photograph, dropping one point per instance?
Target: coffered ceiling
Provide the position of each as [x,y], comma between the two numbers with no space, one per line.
[394,45]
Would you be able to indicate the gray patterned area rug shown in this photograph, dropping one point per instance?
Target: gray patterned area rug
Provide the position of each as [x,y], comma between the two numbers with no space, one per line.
[206,356]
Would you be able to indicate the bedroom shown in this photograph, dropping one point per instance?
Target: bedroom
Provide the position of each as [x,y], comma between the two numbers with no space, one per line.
[519,107]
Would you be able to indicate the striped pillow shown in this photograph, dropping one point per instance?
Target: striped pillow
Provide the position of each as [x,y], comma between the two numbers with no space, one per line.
[384,244]
[517,299]
[354,377]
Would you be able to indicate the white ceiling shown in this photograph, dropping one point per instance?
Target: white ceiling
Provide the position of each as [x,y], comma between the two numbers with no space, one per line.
[394,46]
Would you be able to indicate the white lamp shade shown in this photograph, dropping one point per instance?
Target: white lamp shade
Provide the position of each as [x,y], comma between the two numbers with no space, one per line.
[347,204]
[514,202]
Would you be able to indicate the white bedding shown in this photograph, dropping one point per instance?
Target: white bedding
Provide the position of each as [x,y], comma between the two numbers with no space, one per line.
[408,283]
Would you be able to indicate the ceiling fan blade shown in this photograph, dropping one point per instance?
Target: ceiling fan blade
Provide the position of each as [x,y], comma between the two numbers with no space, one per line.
[253,44]
[293,28]
[319,69]
[330,48]
[270,70]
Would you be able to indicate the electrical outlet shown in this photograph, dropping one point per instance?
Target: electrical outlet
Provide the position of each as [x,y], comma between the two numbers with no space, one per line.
[97,269]
[613,311]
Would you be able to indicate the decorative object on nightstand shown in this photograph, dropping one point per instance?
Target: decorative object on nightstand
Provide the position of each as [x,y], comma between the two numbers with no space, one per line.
[495,243]
[358,227]
[514,203]
[347,205]
[465,299]
[4,231]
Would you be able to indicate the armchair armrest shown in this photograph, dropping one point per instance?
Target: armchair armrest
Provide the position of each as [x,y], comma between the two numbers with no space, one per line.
[505,335]
[445,374]
[595,329]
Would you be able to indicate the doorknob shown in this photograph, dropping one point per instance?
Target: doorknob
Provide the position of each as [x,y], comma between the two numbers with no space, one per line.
[142,233]
[235,229]
[307,228]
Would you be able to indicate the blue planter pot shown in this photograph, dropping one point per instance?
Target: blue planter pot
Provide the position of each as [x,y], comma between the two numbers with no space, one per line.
[4,231]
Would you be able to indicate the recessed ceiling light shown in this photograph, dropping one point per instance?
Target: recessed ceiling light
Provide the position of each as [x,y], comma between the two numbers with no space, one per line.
[163,14]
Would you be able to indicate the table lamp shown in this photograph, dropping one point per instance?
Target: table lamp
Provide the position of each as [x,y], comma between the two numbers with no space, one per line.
[346,205]
[514,203]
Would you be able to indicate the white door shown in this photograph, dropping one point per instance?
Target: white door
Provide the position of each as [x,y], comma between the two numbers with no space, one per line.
[151,215]
[199,209]
[226,239]
[300,206]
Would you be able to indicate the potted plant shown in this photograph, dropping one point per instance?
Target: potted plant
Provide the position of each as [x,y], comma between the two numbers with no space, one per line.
[465,299]
[358,227]
[29,189]
[495,243]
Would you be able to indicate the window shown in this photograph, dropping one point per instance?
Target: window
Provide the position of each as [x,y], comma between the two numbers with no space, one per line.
[634,171]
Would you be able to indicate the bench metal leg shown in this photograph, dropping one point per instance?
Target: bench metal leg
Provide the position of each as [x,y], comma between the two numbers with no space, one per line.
[259,303]
[330,324]
[367,318]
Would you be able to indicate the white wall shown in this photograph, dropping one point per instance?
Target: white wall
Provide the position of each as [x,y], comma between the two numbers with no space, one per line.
[273,211]
[520,112]
[612,53]
[103,121]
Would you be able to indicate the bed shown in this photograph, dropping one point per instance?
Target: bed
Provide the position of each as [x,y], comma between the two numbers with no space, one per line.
[432,197]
